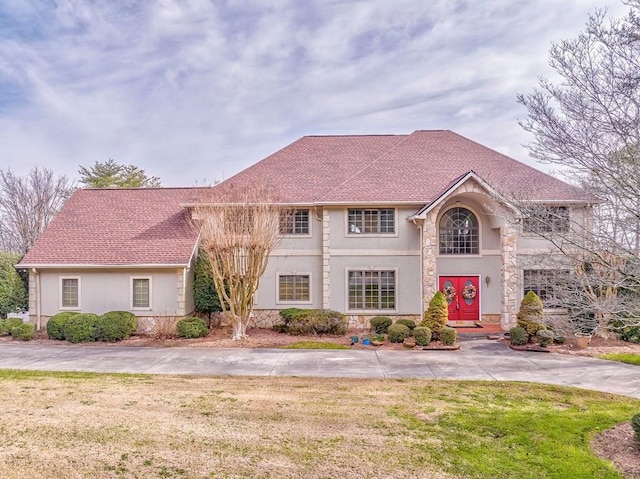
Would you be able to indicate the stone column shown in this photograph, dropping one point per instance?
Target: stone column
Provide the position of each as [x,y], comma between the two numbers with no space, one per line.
[429,253]
[509,276]
[326,260]
[181,304]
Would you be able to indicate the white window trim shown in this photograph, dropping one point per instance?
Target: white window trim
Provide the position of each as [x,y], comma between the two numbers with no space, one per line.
[296,273]
[61,293]
[371,235]
[478,218]
[370,312]
[150,307]
[300,235]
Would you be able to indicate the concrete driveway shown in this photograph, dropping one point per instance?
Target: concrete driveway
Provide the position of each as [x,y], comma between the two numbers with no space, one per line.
[476,360]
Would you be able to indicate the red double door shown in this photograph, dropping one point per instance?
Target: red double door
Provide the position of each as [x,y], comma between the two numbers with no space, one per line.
[463,296]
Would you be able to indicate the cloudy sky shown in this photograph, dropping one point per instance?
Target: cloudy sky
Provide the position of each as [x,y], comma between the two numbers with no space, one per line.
[194,91]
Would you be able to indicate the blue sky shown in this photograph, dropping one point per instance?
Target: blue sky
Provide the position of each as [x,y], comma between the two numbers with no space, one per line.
[194,91]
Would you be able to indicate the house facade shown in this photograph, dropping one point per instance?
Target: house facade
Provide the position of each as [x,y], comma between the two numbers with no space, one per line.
[378,225]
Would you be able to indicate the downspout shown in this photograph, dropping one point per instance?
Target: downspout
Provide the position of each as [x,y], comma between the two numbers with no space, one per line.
[38,308]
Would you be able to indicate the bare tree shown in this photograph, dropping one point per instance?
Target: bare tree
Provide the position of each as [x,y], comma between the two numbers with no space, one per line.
[588,124]
[238,233]
[27,205]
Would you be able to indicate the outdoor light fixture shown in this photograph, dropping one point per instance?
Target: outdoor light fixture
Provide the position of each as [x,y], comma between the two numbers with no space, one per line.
[487,280]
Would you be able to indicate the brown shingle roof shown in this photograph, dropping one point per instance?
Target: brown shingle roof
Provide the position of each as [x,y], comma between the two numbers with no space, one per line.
[411,168]
[118,227]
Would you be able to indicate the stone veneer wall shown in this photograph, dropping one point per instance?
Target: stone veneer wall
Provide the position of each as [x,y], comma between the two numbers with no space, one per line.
[509,276]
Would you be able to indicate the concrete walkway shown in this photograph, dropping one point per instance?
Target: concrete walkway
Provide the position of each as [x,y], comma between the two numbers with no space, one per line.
[476,360]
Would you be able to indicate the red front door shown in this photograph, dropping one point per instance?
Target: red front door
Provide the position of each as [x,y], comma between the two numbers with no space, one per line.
[463,297]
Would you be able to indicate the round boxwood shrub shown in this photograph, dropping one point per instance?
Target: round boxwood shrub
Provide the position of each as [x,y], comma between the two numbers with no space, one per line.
[422,335]
[23,332]
[7,325]
[519,336]
[635,423]
[380,324]
[398,332]
[55,325]
[112,328]
[129,319]
[192,327]
[409,323]
[448,336]
[81,328]
[545,337]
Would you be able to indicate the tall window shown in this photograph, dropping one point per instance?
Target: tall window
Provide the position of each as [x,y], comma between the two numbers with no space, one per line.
[293,287]
[371,221]
[294,222]
[372,289]
[140,293]
[546,283]
[69,293]
[548,219]
[459,232]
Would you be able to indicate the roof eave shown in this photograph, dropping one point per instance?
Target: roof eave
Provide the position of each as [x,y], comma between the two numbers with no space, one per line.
[99,266]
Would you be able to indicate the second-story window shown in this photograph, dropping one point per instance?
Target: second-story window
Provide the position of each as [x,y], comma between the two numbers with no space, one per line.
[547,219]
[371,221]
[294,222]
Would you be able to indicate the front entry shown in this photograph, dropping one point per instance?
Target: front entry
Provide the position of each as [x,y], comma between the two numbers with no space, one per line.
[463,297]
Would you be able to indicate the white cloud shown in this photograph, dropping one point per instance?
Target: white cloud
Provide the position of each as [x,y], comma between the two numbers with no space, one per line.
[193,89]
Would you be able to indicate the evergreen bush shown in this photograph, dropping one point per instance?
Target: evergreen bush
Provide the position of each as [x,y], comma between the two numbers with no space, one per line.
[448,336]
[635,423]
[192,327]
[7,325]
[518,336]
[112,328]
[81,328]
[422,335]
[545,337]
[23,332]
[380,324]
[409,323]
[398,332]
[55,325]
[531,315]
[130,319]
[436,315]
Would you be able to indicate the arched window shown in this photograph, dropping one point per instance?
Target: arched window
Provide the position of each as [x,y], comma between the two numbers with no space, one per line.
[459,232]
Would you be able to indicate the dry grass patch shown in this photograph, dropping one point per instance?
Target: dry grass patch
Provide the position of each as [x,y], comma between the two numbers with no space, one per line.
[126,426]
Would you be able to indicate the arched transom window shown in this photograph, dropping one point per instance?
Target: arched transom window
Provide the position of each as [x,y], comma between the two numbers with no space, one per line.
[459,232]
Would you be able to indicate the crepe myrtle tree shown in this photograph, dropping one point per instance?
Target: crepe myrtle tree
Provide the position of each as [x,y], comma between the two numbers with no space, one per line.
[587,122]
[238,232]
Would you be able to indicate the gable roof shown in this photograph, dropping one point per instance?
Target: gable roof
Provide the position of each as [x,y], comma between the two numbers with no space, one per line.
[120,227]
[413,169]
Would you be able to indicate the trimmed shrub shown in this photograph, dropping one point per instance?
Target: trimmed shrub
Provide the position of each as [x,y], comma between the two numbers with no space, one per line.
[7,325]
[81,328]
[398,332]
[448,336]
[298,322]
[545,337]
[112,328]
[55,325]
[192,327]
[23,332]
[635,423]
[4,329]
[409,323]
[422,335]
[130,319]
[436,315]
[380,324]
[518,336]
[531,315]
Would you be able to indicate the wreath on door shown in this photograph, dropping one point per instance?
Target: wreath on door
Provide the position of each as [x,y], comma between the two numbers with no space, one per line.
[469,291]
[449,293]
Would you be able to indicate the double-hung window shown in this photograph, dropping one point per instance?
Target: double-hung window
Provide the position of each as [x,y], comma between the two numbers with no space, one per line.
[294,222]
[546,283]
[69,293]
[141,293]
[293,288]
[374,290]
[547,219]
[371,221]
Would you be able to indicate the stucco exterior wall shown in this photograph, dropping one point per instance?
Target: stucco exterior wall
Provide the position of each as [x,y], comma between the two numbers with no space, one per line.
[105,290]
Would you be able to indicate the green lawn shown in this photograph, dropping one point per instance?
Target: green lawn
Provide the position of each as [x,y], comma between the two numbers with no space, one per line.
[623,358]
[64,425]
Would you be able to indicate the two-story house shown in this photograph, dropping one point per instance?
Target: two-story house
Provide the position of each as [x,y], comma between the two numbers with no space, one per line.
[380,224]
